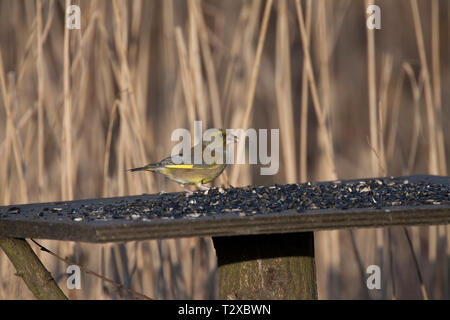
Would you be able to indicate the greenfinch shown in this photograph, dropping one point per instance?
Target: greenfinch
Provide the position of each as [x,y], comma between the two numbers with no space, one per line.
[174,169]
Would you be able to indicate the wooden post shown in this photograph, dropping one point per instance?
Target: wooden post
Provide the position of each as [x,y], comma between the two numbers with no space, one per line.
[31,270]
[268,266]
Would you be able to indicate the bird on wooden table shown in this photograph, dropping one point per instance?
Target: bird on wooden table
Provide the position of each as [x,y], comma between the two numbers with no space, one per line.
[174,169]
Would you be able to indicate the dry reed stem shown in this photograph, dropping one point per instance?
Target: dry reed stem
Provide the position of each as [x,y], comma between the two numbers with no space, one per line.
[4,145]
[433,165]
[371,76]
[323,54]
[308,63]
[339,14]
[169,34]
[236,45]
[416,88]
[359,262]
[392,137]
[210,68]
[416,264]
[13,134]
[112,116]
[40,98]
[26,56]
[80,89]
[385,80]
[392,264]
[195,68]
[185,77]
[252,85]
[436,67]
[304,105]
[67,163]
[284,94]
[324,134]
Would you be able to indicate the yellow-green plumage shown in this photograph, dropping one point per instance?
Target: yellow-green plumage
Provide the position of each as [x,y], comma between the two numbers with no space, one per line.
[191,174]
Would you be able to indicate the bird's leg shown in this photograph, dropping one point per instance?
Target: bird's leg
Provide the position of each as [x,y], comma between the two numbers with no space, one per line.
[189,192]
[202,186]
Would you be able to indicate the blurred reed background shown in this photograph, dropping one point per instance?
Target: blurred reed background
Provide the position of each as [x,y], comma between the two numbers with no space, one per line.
[78,107]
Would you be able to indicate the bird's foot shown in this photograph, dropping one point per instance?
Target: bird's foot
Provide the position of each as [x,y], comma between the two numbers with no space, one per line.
[188,192]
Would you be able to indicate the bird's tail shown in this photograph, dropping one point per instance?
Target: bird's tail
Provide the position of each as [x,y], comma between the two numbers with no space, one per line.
[146,168]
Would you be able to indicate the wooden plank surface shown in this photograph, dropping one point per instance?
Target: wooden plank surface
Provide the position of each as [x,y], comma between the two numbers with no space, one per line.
[414,200]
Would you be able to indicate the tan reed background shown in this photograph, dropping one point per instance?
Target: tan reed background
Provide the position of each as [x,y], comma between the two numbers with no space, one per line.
[77,108]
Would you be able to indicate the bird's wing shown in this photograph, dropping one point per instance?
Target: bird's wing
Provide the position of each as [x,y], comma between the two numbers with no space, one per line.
[176,162]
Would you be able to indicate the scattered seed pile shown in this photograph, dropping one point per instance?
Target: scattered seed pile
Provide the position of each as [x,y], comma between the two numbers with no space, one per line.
[368,193]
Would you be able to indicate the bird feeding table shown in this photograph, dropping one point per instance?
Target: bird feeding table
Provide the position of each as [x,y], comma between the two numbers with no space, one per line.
[263,236]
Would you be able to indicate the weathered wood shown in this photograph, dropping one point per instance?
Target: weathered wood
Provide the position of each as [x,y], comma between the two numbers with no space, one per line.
[276,266]
[31,270]
[225,225]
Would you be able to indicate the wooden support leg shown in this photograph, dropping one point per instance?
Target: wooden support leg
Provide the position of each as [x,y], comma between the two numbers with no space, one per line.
[31,269]
[272,266]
